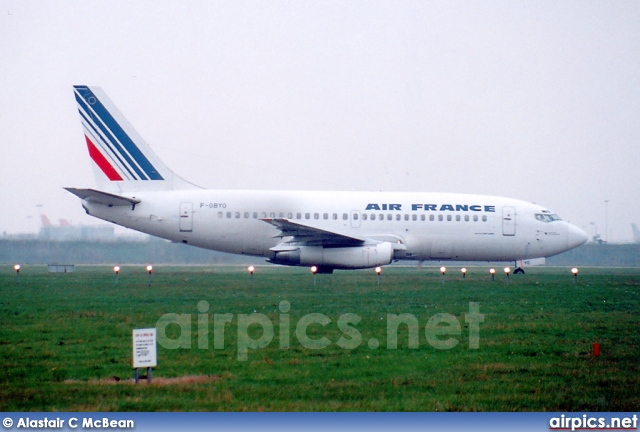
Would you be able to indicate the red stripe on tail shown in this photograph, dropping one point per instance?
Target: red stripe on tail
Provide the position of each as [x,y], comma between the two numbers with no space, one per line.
[102,162]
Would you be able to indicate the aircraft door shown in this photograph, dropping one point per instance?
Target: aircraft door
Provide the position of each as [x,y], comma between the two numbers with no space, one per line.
[508,221]
[186,217]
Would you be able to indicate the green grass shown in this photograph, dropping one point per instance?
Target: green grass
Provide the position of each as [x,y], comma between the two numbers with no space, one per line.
[64,337]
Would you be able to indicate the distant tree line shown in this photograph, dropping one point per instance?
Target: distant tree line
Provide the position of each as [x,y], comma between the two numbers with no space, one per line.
[125,252]
[161,251]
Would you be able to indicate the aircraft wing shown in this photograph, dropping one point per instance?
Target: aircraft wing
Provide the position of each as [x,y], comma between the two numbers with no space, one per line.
[312,236]
[100,197]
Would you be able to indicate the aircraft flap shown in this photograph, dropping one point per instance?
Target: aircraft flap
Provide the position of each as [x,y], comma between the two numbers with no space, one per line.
[108,199]
[312,235]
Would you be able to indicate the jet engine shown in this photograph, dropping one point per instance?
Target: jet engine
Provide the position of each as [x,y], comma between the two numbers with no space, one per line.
[356,257]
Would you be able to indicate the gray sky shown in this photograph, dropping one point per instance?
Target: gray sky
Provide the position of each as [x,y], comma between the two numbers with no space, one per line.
[536,100]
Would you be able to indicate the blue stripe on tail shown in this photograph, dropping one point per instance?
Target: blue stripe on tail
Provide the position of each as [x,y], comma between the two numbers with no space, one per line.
[114,133]
[105,145]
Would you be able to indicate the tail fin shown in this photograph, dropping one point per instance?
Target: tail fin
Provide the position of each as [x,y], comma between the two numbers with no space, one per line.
[124,162]
[45,220]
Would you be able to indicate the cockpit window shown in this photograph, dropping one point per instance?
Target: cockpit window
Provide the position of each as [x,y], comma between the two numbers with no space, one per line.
[547,217]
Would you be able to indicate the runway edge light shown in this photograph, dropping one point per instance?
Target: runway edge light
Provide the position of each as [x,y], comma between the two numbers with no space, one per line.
[574,271]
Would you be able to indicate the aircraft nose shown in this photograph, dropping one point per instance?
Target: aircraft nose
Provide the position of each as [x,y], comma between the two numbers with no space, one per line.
[575,236]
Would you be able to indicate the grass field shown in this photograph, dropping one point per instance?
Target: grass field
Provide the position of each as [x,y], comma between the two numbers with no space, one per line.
[65,341]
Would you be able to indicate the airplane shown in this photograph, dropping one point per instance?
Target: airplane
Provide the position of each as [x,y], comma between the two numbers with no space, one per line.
[325,230]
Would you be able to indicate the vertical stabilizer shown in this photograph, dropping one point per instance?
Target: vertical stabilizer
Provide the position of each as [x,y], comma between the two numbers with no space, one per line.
[123,161]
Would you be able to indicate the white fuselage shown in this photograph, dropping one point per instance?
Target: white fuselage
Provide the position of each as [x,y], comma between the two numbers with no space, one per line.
[429,226]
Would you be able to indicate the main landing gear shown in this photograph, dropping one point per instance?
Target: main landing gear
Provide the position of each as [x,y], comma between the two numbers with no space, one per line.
[518,270]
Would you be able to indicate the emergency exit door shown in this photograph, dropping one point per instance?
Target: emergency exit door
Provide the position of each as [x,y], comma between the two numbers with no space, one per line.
[186,217]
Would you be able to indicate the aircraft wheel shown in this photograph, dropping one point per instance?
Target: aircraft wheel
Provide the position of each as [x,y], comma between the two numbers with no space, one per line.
[519,270]
[324,270]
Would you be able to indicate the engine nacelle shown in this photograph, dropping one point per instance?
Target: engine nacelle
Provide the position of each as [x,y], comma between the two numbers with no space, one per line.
[358,257]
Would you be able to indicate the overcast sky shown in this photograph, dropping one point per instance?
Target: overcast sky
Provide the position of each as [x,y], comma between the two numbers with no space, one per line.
[537,100]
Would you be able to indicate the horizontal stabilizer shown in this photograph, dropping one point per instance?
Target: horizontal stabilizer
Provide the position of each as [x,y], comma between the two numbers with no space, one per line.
[99,197]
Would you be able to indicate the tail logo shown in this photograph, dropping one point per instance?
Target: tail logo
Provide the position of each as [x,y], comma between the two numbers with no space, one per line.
[110,146]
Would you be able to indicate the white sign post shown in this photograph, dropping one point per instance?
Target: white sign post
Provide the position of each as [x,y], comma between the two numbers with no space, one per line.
[144,351]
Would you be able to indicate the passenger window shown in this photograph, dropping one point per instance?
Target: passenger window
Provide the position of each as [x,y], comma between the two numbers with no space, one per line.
[246,215]
[228,215]
[335,216]
[298,215]
[325,216]
[415,217]
[219,214]
[255,215]
[389,217]
[431,218]
[406,217]
[289,215]
[484,218]
[237,215]
[281,215]
[355,216]
[364,216]
[307,215]
[423,218]
[398,217]
[449,218]
[457,218]
[466,218]
[440,218]
[264,215]
[316,216]
[272,215]
[345,216]
[475,218]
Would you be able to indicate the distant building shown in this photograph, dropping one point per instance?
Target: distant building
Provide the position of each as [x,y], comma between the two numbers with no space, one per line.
[68,232]
[636,233]
[61,268]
